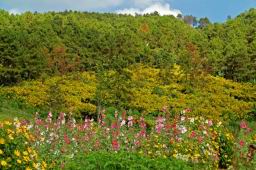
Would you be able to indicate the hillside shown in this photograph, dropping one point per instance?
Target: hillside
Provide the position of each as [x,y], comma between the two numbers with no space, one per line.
[85,90]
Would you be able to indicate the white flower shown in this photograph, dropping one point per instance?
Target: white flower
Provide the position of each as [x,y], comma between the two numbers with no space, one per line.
[30,126]
[192,120]
[122,123]
[182,118]
[183,129]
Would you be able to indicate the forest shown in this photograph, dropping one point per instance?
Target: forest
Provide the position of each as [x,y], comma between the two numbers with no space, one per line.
[118,86]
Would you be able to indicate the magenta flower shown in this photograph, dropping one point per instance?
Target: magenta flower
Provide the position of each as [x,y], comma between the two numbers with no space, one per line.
[243,125]
[241,143]
[115,145]
[114,125]
[193,134]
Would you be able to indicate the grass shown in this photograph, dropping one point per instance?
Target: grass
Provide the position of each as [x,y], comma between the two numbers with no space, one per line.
[11,108]
[125,161]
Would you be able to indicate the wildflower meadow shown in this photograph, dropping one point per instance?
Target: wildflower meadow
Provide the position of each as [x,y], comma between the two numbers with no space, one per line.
[63,142]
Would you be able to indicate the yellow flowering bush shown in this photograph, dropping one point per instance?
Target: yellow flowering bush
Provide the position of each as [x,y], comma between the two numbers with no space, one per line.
[16,150]
[73,93]
[211,97]
[141,88]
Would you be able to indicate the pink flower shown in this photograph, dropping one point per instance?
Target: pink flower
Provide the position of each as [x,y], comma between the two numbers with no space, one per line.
[49,117]
[130,124]
[142,123]
[241,143]
[86,123]
[160,119]
[39,122]
[200,139]
[143,133]
[159,124]
[130,118]
[159,127]
[115,145]
[193,134]
[114,125]
[210,123]
[243,125]
[137,143]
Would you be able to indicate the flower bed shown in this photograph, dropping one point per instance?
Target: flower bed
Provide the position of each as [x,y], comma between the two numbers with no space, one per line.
[195,140]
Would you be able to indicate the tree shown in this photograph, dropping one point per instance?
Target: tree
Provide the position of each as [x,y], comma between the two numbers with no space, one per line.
[179,16]
[203,22]
[189,19]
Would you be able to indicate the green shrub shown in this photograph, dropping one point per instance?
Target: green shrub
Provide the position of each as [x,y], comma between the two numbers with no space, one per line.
[122,161]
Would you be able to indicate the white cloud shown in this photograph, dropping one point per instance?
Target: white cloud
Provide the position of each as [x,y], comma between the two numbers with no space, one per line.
[145,3]
[162,9]
[14,11]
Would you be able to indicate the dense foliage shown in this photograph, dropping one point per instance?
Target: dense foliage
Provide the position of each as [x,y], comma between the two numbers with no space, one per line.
[34,45]
[232,47]
[140,88]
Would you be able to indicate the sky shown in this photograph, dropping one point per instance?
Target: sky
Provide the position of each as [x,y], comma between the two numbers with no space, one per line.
[215,10]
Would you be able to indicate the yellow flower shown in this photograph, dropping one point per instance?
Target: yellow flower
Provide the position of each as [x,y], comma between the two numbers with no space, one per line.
[35,165]
[3,163]
[30,150]
[44,165]
[19,161]
[25,153]
[2,141]
[26,158]
[10,137]
[7,122]
[17,153]
[1,152]
[28,168]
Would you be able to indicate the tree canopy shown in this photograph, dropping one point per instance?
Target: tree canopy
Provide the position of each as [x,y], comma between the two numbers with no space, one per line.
[34,45]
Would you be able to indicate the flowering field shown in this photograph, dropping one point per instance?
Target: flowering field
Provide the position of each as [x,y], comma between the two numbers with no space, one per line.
[177,141]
